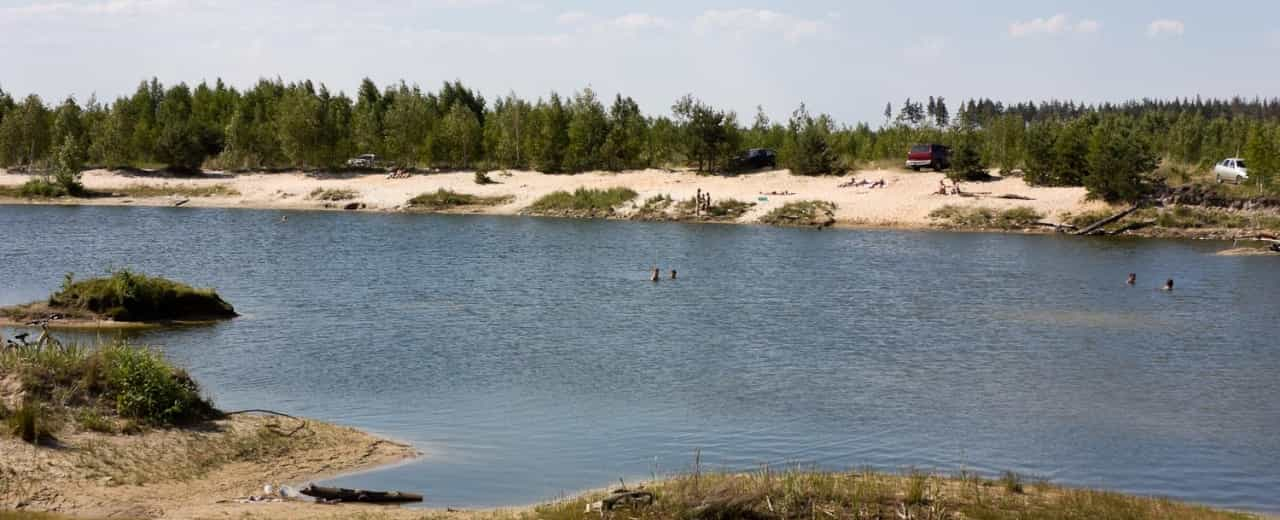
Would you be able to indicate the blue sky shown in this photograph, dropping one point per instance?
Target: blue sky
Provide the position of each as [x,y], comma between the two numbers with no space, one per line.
[844,58]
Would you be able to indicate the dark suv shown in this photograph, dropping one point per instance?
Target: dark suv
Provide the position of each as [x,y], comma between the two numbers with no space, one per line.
[756,158]
[935,156]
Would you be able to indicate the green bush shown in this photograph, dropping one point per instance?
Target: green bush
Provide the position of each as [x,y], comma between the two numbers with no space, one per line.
[443,199]
[583,200]
[800,212]
[129,296]
[144,386]
[41,189]
[981,217]
[332,195]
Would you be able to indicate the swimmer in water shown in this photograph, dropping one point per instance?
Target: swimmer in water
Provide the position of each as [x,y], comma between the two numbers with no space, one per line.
[673,274]
[654,277]
[1168,285]
[1133,279]
[284,218]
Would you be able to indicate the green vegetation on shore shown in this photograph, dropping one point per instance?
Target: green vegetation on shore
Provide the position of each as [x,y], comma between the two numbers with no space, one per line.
[869,495]
[982,217]
[141,190]
[332,194]
[1119,151]
[111,388]
[127,296]
[444,199]
[802,213]
[582,202]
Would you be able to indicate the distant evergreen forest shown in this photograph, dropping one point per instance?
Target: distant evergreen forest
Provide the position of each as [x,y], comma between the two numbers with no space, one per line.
[1110,148]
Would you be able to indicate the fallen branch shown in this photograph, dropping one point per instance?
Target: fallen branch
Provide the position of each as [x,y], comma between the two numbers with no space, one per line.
[1092,228]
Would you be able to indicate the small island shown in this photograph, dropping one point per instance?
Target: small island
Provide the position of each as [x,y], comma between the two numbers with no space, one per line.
[123,299]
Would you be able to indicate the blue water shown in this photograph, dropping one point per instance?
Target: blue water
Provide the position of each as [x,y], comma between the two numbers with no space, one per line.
[531,357]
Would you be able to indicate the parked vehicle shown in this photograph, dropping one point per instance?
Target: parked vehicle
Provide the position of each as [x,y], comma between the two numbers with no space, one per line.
[1231,170]
[364,161]
[755,159]
[934,156]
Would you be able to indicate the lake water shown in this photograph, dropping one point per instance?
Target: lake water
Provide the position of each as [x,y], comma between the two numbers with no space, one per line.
[532,357]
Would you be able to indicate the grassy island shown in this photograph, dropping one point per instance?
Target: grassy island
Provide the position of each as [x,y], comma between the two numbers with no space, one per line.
[125,296]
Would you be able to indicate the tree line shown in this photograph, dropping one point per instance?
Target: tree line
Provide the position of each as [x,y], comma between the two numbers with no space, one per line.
[1110,148]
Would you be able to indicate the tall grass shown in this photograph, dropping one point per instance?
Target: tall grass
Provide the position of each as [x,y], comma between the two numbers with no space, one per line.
[129,296]
[981,217]
[129,381]
[800,212]
[333,194]
[583,201]
[444,199]
[869,495]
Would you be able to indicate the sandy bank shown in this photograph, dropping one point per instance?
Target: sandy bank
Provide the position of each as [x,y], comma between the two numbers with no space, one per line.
[190,473]
[905,201]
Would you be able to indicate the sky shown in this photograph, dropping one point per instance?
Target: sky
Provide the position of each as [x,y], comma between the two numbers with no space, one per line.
[844,58]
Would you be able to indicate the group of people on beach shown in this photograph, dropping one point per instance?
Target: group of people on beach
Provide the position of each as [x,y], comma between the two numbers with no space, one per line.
[855,183]
[954,189]
[1133,280]
[399,174]
[657,275]
[701,203]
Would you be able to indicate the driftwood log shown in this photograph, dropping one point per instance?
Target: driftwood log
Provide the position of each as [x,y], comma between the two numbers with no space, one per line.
[621,497]
[1094,227]
[360,495]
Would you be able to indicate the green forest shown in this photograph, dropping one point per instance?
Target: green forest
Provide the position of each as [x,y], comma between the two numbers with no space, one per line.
[1112,149]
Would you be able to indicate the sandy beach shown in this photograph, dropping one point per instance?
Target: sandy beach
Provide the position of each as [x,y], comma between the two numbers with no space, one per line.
[904,202]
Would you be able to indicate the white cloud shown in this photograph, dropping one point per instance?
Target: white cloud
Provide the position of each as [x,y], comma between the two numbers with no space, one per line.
[1165,26]
[1057,24]
[1088,26]
[744,22]
[108,7]
[926,48]
[571,17]
[638,21]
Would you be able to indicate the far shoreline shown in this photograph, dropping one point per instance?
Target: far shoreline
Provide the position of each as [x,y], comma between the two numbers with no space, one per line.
[905,204]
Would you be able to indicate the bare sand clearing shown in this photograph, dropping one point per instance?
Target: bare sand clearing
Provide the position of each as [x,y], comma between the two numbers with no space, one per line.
[905,201]
[190,473]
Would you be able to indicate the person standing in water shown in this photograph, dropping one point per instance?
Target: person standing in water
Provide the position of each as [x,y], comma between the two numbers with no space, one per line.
[673,274]
[1133,279]
[654,277]
[1168,285]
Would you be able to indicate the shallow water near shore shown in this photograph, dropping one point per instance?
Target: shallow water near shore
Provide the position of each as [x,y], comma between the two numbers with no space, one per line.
[532,357]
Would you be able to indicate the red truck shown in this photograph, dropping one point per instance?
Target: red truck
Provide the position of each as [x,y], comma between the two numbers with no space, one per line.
[935,156]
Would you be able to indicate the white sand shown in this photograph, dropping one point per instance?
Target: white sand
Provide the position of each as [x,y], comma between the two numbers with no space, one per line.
[905,202]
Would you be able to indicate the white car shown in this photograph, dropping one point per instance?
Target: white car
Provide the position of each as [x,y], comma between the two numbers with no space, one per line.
[1231,170]
[364,161]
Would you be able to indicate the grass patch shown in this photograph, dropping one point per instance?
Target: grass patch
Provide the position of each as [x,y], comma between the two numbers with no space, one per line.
[332,194]
[869,495]
[1084,219]
[980,217]
[1192,217]
[129,296]
[31,422]
[655,208]
[124,380]
[175,190]
[582,202]
[800,213]
[445,199]
[126,296]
